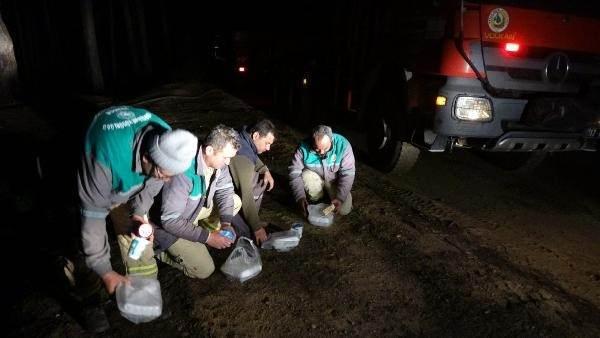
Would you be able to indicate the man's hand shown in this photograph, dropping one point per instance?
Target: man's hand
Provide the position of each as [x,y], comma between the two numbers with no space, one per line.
[268,181]
[217,241]
[303,205]
[260,235]
[338,205]
[137,219]
[112,280]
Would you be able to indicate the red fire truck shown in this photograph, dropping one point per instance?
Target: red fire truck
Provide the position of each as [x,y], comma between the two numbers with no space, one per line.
[512,77]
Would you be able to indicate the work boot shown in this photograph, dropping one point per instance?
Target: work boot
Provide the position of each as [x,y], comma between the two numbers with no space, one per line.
[93,319]
[167,305]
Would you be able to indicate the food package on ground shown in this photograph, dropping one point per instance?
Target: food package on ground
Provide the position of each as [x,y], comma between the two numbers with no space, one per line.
[317,217]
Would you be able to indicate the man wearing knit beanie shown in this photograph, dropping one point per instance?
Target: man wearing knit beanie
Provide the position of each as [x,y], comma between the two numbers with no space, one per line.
[173,151]
[129,154]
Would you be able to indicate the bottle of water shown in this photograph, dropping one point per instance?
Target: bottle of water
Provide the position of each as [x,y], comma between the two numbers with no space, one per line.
[139,243]
[227,233]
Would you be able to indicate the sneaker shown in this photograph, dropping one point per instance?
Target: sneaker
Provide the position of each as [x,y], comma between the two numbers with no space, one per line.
[93,319]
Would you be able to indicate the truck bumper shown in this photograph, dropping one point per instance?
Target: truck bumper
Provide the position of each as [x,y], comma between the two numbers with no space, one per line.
[501,133]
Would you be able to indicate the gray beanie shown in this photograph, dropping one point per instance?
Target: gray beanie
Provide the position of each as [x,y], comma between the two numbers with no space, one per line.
[174,150]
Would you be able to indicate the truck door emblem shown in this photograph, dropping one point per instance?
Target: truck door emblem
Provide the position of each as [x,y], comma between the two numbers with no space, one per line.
[557,68]
[498,20]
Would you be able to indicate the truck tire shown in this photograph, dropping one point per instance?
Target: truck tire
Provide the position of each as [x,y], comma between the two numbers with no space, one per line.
[409,156]
[383,149]
[385,116]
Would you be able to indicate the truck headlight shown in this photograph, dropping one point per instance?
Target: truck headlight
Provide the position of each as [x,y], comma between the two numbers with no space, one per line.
[470,108]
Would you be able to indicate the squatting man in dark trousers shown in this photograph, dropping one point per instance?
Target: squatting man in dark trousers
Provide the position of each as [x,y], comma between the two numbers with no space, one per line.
[251,176]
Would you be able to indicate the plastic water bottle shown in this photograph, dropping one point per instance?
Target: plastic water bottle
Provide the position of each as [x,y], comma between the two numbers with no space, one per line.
[139,243]
[227,233]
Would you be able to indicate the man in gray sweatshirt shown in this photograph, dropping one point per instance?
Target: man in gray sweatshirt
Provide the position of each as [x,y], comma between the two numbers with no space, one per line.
[129,153]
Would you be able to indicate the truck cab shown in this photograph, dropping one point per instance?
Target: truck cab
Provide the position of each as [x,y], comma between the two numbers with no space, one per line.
[519,79]
[496,76]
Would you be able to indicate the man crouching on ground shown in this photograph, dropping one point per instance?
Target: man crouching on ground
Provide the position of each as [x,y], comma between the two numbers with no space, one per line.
[129,154]
[187,205]
[323,163]
[251,176]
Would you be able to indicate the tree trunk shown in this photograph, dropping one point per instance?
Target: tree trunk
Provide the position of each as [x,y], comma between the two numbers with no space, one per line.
[132,43]
[8,65]
[89,36]
[53,50]
[167,51]
[146,63]
[113,48]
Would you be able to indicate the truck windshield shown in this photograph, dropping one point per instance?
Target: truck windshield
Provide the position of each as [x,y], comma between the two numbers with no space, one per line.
[574,7]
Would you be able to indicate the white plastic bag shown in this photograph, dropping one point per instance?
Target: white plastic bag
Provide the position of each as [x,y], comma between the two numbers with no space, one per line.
[244,261]
[317,217]
[140,301]
[282,241]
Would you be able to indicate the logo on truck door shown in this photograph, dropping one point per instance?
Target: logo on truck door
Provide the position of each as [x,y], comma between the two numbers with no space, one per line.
[498,20]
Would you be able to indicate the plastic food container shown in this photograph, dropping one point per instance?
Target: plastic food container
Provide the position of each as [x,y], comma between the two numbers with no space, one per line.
[316,216]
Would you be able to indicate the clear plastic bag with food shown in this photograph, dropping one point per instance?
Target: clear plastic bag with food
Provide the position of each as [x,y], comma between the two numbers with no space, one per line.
[244,261]
[317,217]
[282,241]
[140,301]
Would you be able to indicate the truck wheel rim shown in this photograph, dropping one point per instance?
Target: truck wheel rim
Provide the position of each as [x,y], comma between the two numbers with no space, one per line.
[385,134]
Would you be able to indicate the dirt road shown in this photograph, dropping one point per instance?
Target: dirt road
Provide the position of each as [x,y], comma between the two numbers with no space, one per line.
[454,248]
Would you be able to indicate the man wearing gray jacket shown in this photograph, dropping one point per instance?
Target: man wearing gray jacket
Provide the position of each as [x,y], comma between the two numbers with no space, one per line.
[323,165]
[129,153]
[187,207]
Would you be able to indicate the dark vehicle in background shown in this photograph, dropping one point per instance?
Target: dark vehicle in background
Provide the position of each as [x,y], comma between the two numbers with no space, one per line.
[515,78]
[240,64]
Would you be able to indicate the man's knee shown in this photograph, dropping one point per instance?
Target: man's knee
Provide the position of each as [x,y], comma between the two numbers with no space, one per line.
[200,272]
[313,184]
[346,206]
[190,257]
[345,211]
[237,204]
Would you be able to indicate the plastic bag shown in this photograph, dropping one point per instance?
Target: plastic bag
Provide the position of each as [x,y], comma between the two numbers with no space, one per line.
[282,241]
[244,261]
[317,217]
[141,300]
